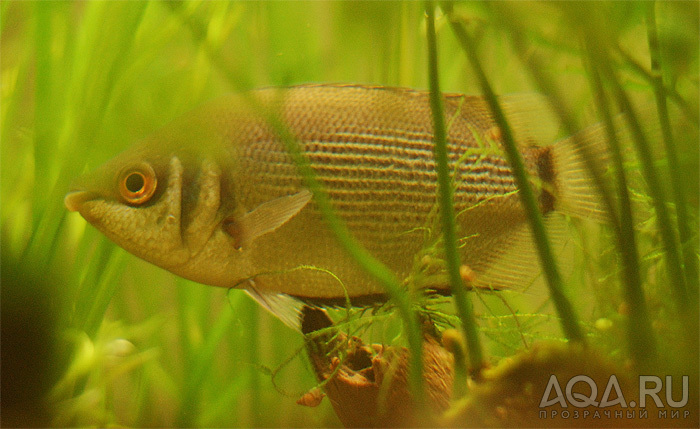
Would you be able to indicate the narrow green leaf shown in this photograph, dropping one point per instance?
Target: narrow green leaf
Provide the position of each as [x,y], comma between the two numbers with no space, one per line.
[447,211]
[566,312]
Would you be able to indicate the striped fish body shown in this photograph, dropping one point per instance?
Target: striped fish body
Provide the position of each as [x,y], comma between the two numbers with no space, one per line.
[223,171]
[372,150]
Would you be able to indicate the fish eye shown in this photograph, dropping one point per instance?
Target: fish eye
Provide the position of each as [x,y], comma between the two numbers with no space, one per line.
[137,184]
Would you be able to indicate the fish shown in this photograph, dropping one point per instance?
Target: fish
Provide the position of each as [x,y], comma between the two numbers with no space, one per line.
[214,196]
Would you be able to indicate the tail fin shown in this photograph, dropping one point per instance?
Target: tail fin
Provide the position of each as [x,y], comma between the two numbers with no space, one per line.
[577,194]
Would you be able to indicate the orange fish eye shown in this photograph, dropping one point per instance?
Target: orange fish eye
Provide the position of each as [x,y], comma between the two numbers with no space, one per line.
[137,184]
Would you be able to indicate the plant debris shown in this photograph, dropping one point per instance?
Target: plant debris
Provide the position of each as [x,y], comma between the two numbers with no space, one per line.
[368,384]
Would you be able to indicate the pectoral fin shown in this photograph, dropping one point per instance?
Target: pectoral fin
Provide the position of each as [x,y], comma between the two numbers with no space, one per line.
[265,218]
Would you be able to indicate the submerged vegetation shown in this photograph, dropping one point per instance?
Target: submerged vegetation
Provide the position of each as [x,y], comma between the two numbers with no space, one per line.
[93,336]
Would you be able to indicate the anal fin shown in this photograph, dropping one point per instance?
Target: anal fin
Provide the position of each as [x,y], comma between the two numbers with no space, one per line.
[516,265]
[284,307]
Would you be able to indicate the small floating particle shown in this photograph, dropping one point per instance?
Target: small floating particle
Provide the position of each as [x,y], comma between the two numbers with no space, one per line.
[603,324]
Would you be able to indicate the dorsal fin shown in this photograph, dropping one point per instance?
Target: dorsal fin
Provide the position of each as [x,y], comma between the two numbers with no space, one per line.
[530,117]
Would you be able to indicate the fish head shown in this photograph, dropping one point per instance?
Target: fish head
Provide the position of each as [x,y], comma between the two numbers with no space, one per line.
[164,200]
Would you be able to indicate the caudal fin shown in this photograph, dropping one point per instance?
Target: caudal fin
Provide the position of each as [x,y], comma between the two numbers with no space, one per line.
[577,193]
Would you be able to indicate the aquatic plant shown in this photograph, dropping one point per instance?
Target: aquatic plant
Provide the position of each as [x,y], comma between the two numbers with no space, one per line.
[129,344]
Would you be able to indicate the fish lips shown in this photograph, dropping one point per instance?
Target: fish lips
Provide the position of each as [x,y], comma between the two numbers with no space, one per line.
[75,200]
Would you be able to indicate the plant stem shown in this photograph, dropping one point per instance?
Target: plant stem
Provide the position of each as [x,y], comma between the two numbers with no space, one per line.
[566,312]
[677,185]
[365,259]
[368,262]
[656,191]
[546,85]
[689,111]
[464,305]
[642,344]
[639,332]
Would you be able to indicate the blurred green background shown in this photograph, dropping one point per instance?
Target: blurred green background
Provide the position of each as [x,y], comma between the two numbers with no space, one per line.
[92,336]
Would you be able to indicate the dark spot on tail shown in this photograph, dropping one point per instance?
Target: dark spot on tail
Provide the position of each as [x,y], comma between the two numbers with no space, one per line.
[546,173]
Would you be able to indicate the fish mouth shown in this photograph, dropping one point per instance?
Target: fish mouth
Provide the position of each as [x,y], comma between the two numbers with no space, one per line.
[74,200]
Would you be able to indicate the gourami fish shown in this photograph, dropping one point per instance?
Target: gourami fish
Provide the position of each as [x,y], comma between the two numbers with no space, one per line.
[214,197]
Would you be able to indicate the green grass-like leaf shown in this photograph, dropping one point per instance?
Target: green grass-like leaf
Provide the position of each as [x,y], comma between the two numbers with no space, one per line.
[81,81]
[564,308]
[446,199]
